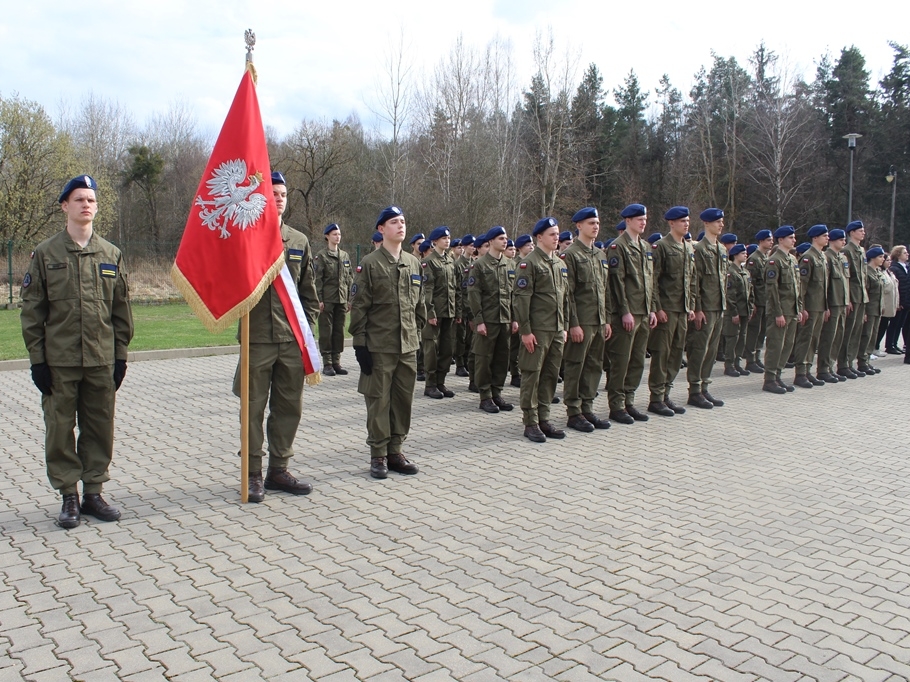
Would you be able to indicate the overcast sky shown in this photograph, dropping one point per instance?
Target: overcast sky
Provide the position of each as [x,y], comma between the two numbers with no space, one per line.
[324,58]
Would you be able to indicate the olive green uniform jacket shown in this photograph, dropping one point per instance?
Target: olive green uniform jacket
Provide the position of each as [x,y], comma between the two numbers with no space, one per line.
[333,275]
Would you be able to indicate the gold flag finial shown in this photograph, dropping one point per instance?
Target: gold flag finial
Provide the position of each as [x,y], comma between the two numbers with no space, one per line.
[250,39]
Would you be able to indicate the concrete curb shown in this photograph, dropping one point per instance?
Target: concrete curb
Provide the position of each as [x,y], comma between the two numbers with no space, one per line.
[142,355]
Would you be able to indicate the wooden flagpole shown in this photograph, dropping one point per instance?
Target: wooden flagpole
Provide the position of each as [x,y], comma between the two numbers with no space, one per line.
[245,408]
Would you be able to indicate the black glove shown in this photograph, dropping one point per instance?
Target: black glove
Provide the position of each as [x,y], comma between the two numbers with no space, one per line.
[119,373]
[41,375]
[364,359]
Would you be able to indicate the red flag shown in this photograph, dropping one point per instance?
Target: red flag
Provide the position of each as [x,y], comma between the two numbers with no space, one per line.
[231,249]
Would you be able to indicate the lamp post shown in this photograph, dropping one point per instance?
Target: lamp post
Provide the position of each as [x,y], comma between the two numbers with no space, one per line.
[892,178]
[851,143]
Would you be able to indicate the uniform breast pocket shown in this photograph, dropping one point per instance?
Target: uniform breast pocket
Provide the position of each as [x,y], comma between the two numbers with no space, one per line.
[60,284]
[384,292]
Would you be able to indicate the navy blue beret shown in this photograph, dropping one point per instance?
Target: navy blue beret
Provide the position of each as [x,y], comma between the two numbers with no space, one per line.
[728,238]
[688,236]
[802,248]
[480,240]
[817,231]
[874,252]
[752,248]
[377,237]
[388,213]
[633,211]
[599,245]
[79,182]
[608,242]
[762,235]
[544,224]
[701,235]
[836,235]
[417,236]
[709,215]
[494,232]
[330,228]
[510,244]
[584,214]
[855,225]
[621,225]
[739,248]
[439,233]
[455,242]
[676,213]
[522,240]
[565,236]
[784,231]
[467,240]
[654,238]
[425,246]
[278,178]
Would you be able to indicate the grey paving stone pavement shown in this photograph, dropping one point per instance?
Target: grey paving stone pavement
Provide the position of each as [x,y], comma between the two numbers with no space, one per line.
[765,540]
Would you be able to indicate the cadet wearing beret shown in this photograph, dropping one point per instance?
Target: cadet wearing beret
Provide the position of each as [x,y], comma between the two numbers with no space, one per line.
[463,331]
[784,309]
[838,302]
[276,372]
[565,241]
[674,286]
[416,242]
[442,298]
[77,326]
[387,314]
[740,306]
[875,284]
[755,334]
[632,290]
[523,246]
[377,240]
[853,325]
[710,303]
[334,276]
[589,324]
[541,310]
[813,279]
[489,295]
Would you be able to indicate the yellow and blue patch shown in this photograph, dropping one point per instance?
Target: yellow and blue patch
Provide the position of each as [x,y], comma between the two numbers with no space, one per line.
[295,255]
[107,269]
[416,280]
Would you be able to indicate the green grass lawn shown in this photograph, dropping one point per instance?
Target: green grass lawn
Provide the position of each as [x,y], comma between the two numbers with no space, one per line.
[158,327]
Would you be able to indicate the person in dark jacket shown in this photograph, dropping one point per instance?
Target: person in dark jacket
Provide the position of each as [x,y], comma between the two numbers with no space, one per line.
[900,268]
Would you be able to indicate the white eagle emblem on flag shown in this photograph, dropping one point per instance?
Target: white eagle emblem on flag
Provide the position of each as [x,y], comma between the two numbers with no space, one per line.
[234,203]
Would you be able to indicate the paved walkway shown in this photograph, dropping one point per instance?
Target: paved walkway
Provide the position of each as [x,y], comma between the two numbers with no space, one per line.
[768,539]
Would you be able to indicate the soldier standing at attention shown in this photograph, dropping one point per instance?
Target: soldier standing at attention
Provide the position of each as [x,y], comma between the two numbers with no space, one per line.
[813,279]
[875,283]
[838,301]
[540,305]
[463,331]
[523,246]
[755,333]
[443,303]
[632,291]
[490,301]
[334,276]
[77,326]
[853,325]
[674,291]
[589,327]
[710,303]
[783,307]
[276,368]
[740,307]
[387,314]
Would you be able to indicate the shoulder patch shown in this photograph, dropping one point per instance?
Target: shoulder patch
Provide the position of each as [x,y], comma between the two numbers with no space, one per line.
[603,262]
[614,262]
[771,274]
[471,281]
[804,271]
[423,264]
[612,246]
[522,265]
[359,268]
[295,254]
[346,263]
[26,280]
[521,283]
[562,255]
[353,290]
[416,279]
